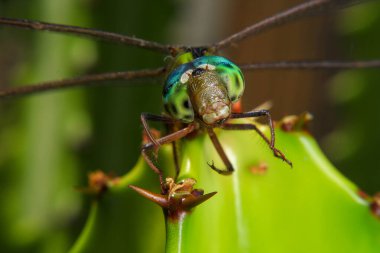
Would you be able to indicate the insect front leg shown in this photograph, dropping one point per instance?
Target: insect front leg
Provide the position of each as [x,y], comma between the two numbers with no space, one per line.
[176,158]
[145,117]
[146,148]
[229,168]
[277,153]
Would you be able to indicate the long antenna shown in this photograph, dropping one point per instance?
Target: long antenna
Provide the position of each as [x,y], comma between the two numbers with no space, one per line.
[283,17]
[93,33]
[311,65]
[88,80]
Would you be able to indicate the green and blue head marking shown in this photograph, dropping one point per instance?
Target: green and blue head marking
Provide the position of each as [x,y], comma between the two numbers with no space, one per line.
[202,88]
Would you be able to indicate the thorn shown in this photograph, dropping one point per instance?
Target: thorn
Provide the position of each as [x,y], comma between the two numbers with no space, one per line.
[159,199]
[267,105]
[189,203]
[98,183]
[296,123]
[180,197]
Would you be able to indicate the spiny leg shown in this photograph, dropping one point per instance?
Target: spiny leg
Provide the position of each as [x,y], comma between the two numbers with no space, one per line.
[276,152]
[144,117]
[164,119]
[88,80]
[311,65]
[89,32]
[253,114]
[171,128]
[176,160]
[222,154]
[283,17]
[163,140]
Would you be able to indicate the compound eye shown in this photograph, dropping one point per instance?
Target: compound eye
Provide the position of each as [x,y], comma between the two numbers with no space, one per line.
[198,71]
[179,107]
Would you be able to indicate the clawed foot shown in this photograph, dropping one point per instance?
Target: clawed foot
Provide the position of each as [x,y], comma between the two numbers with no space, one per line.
[228,171]
[277,153]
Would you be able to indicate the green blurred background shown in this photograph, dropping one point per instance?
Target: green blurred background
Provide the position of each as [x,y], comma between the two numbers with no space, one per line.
[49,142]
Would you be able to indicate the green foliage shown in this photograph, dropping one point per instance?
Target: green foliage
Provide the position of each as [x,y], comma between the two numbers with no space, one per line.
[49,142]
[353,145]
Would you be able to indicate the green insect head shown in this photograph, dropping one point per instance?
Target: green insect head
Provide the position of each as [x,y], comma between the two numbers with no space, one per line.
[209,96]
[203,90]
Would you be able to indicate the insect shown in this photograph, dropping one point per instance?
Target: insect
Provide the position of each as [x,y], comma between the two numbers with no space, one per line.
[174,49]
[118,118]
[199,91]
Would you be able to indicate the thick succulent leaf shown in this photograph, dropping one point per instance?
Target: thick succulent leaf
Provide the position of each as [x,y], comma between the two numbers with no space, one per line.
[264,206]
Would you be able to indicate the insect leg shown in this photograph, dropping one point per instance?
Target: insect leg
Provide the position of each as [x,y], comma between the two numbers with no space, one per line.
[258,113]
[311,65]
[277,153]
[163,140]
[167,120]
[88,80]
[176,160]
[152,117]
[222,154]
[298,11]
[89,32]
